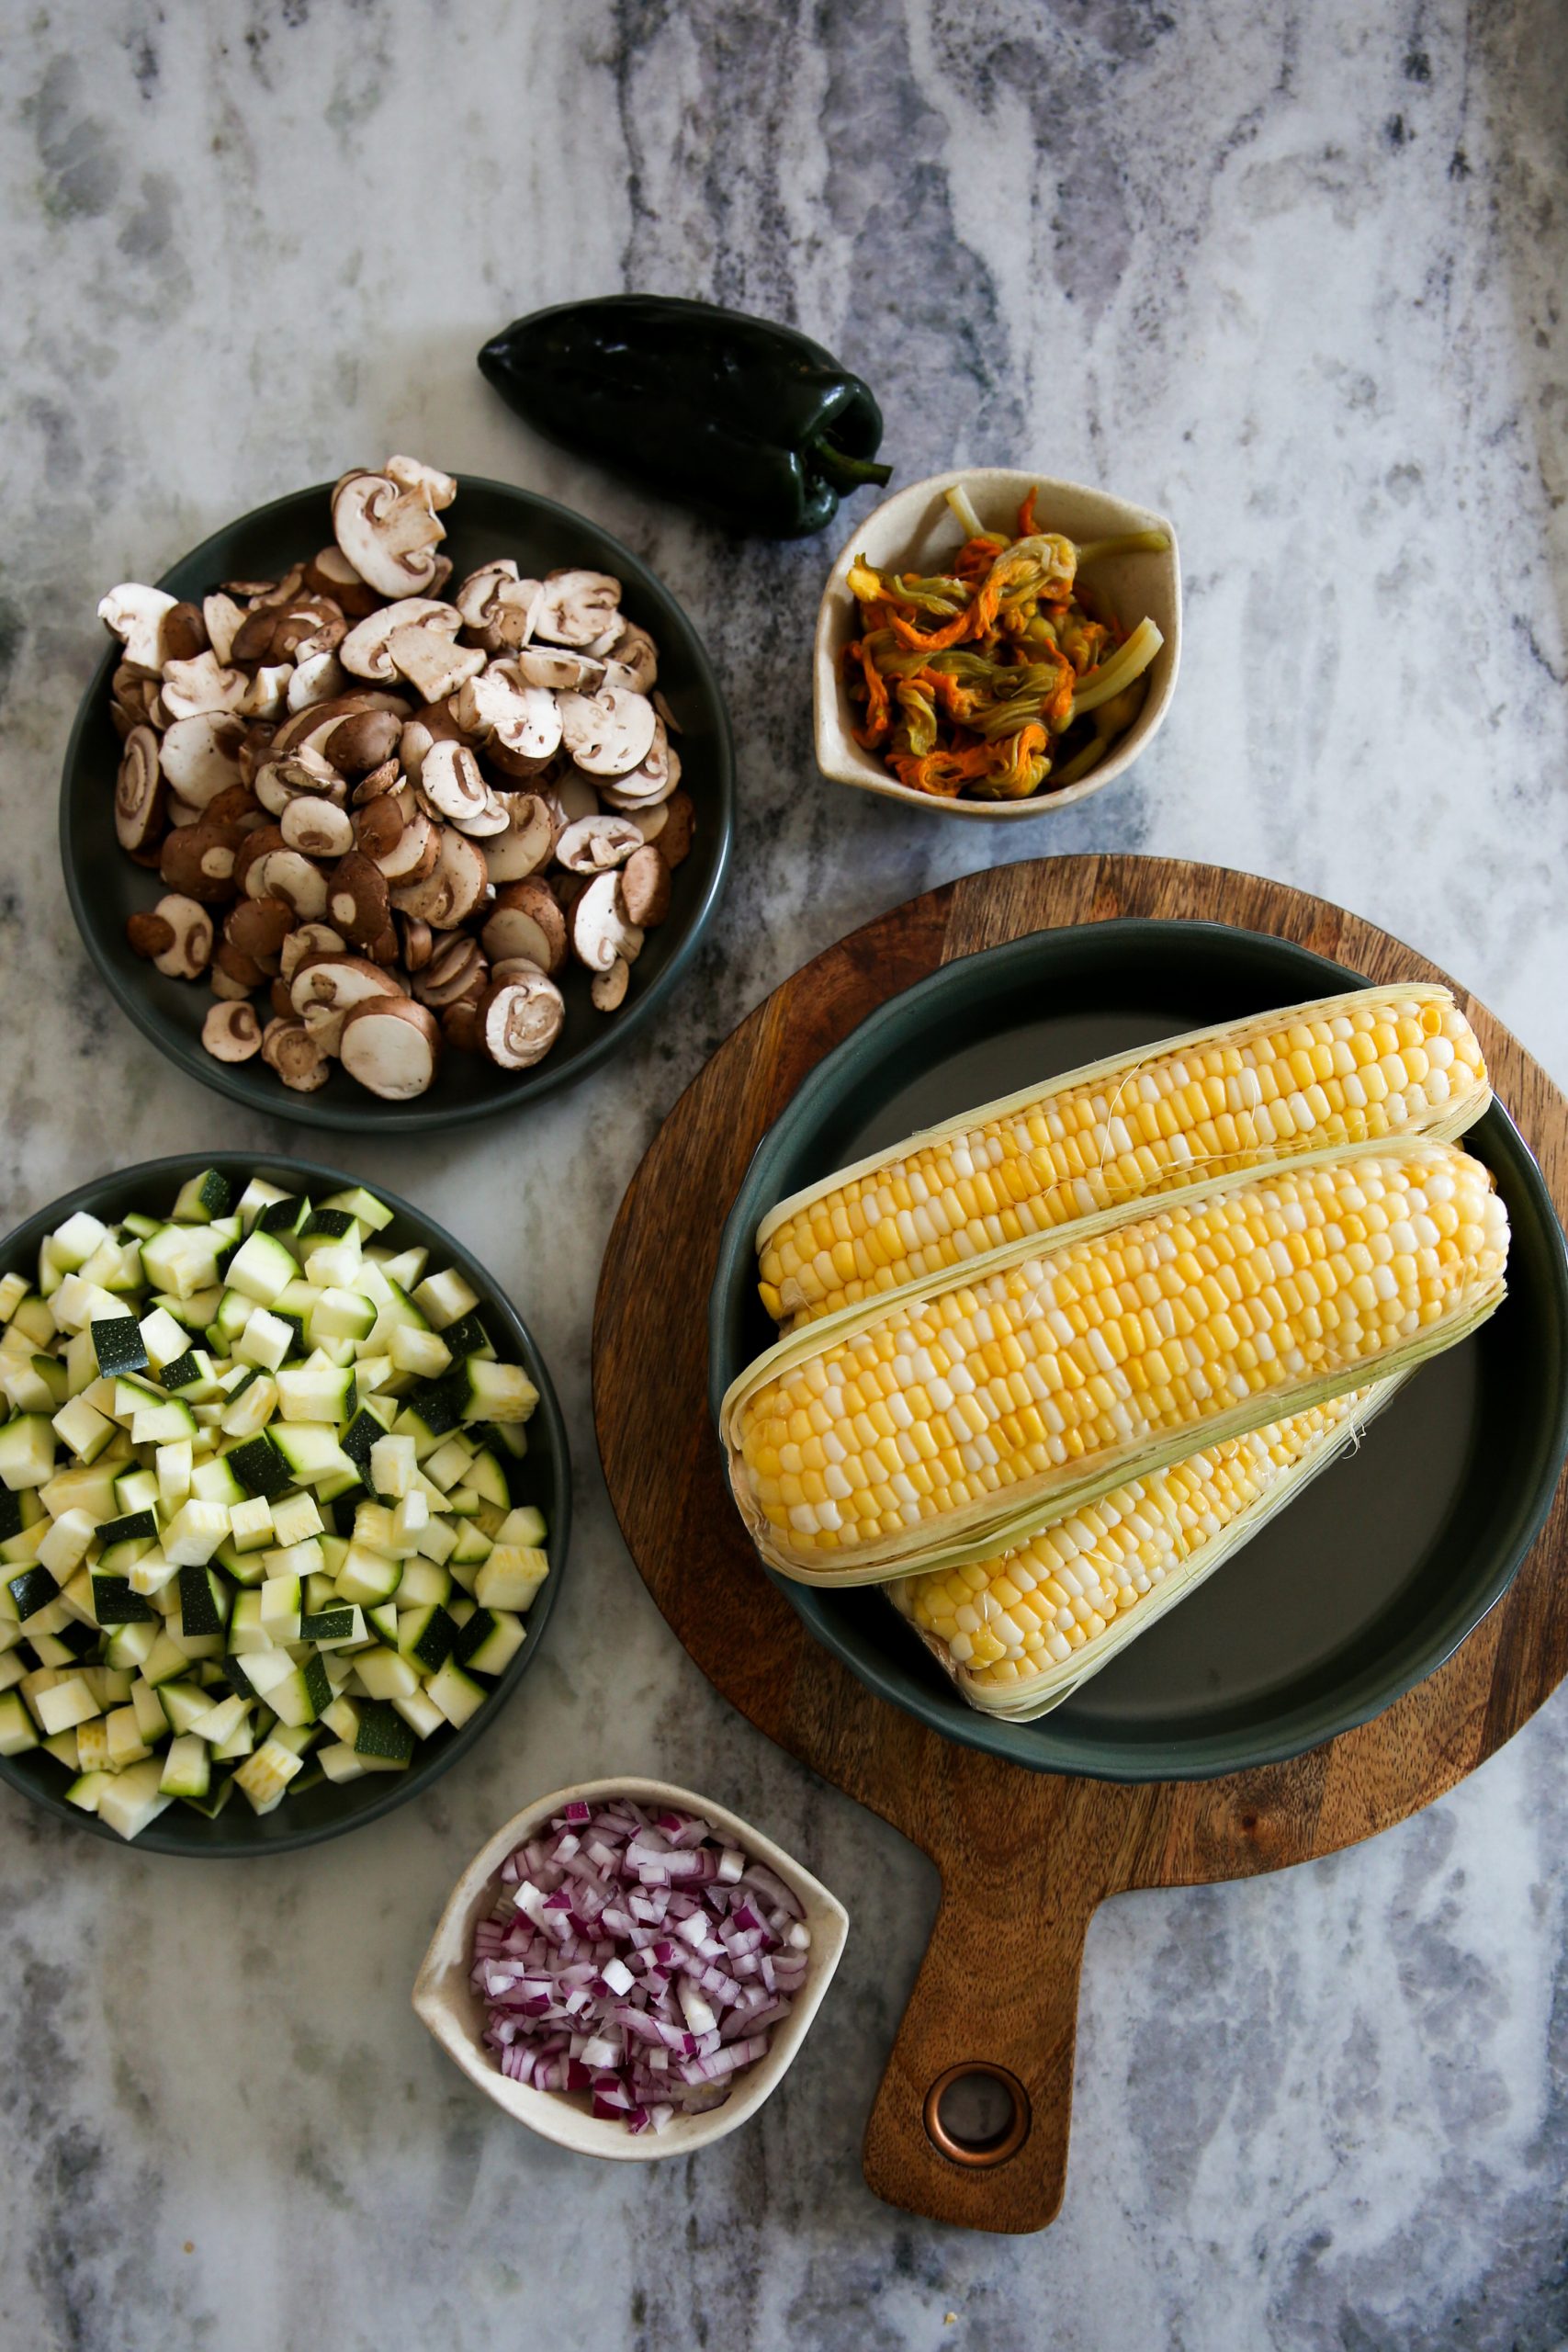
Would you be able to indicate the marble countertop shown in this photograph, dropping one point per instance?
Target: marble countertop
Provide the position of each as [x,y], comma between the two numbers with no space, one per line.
[1293,276]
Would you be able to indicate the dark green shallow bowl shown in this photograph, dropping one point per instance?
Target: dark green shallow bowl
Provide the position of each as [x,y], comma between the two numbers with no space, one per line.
[488,519]
[543,1478]
[1368,1582]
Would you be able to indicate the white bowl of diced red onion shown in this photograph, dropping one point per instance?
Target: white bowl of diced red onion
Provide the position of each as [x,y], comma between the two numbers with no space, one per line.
[629,1969]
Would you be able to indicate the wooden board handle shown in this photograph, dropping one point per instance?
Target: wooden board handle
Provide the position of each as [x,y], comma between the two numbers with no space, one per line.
[998,1993]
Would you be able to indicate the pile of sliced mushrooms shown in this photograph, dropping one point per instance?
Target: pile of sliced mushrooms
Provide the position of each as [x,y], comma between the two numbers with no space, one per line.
[394,816]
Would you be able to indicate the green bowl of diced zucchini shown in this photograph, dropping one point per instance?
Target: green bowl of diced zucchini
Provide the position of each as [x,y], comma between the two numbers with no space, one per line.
[285,1498]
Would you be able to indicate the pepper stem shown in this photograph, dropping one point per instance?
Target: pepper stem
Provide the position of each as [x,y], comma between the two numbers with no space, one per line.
[842,472]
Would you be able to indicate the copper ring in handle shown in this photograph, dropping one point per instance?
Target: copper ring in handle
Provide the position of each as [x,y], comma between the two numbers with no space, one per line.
[1002,2145]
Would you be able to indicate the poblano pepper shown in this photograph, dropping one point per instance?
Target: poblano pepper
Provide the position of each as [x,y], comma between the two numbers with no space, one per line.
[752,424]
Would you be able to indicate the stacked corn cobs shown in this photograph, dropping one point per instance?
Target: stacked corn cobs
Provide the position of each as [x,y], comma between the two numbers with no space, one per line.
[1043,1370]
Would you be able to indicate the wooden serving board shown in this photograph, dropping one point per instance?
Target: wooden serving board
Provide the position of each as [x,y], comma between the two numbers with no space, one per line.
[1024,1856]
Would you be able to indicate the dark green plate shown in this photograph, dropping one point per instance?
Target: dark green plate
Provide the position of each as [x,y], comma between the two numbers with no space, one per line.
[1384,1565]
[488,519]
[542,1476]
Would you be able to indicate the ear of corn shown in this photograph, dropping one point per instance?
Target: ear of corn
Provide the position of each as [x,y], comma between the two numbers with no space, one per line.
[945,1426]
[1021,1632]
[1346,1069]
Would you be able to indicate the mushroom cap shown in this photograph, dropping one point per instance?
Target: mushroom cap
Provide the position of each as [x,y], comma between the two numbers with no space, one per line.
[526,920]
[317,826]
[608,733]
[388,534]
[306,939]
[289,1048]
[366,650]
[576,607]
[520,1018]
[232,1032]
[393,1047]
[198,859]
[358,900]
[286,775]
[600,931]
[608,989]
[644,887]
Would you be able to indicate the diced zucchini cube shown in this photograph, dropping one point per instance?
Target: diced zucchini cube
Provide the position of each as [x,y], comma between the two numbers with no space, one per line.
[26,1450]
[457,1693]
[151,1718]
[490,1641]
[187,1768]
[261,1268]
[65,1545]
[194,1534]
[69,1702]
[421,1714]
[425,1636]
[85,1430]
[259,1468]
[126,1744]
[251,1525]
[265,1776]
[133,1798]
[265,1341]
[250,1406]
[295,1520]
[383,1735]
[118,1344]
[340,1763]
[511,1577]
[385,1674]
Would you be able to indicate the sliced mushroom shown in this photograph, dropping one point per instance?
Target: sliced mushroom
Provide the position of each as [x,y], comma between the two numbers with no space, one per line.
[200,755]
[190,950]
[140,793]
[307,939]
[608,989]
[457,885]
[235,806]
[594,844]
[231,1033]
[293,775]
[520,724]
[184,632]
[198,859]
[201,685]
[497,606]
[632,661]
[259,928]
[600,928]
[415,853]
[574,796]
[277,997]
[527,842]
[329,573]
[366,650]
[557,668]
[672,826]
[460,1026]
[417,941]
[435,724]
[430,659]
[644,887]
[149,935]
[354,731]
[358,902]
[608,733]
[379,825]
[528,920]
[388,534]
[393,1047]
[289,1048]
[321,678]
[136,615]
[266,696]
[654,779]
[234,975]
[279,872]
[270,591]
[318,827]
[457,968]
[296,631]
[576,607]
[452,785]
[426,482]
[333,985]
[520,1019]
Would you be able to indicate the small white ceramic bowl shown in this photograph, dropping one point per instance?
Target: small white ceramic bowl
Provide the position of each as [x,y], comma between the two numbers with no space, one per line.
[915,531]
[455,2015]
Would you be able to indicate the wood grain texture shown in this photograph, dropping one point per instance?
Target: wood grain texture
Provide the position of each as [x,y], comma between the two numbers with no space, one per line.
[1025,1858]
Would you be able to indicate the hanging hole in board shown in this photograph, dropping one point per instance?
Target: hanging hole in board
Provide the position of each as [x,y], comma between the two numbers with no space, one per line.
[977,2113]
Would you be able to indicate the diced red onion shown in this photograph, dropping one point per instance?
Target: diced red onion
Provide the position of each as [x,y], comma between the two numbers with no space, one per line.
[635,1958]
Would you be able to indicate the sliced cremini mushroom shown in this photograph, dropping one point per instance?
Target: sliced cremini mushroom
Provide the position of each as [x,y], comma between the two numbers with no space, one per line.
[200,755]
[289,1048]
[201,683]
[427,483]
[379,823]
[307,939]
[136,615]
[189,952]
[576,607]
[594,844]
[557,668]
[388,534]
[354,731]
[417,941]
[520,1019]
[526,920]
[529,839]
[653,781]
[259,928]
[460,1026]
[671,825]
[600,928]
[452,785]
[359,901]
[457,968]
[296,631]
[608,989]
[294,775]
[266,696]
[198,859]
[319,827]
[415,853]
[573,796]
[366,650]
[632,661]
[335,984]
[393,1047]
[272,592]
[455,886]
[184,632]
[644,887]
[231,1033]
[235,806]
[430,659]
[329,573]
[609,733]
[321,678]
[497,606]
[232,974]
[149,935]
[268,868]
[140,794]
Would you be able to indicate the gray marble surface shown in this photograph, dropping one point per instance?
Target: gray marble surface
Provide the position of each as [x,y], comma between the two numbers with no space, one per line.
[1293,275]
